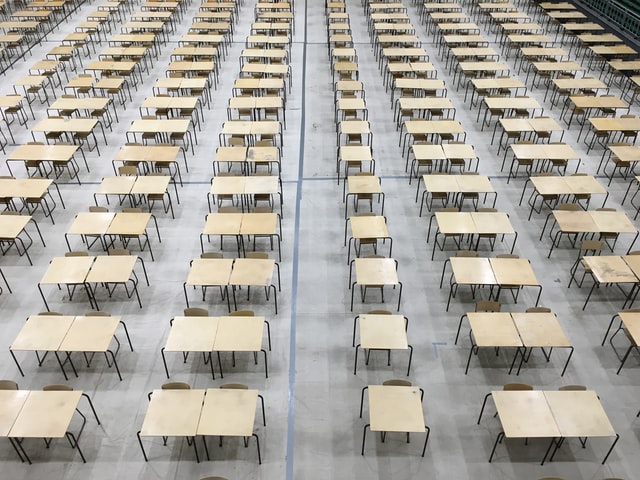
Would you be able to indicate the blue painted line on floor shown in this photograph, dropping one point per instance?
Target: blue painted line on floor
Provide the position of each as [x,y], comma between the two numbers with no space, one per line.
[436,345]
[294,273]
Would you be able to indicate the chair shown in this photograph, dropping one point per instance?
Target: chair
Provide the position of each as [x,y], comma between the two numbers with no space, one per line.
[625,167]
[628,135]
[488,306]
[593,247]
[396,382]
[234,386]
[152,198]
[57,388]
[514,289]
[8,385]
[572,388]
[196,312]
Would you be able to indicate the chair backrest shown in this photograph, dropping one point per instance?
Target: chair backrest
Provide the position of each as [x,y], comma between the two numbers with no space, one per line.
[132,210]
[176,386]
[213,478]
[127,170]
[119,251]
[572,388]
[8,385]
[396,382]
[466,253]
[258,255]
[211,255]
[487,306]
[196,312]
[516,386]
[58,387]
[486,210]
[378,312]
[94,208]
[97,313]
[234,386]
[242,313]
[228,209]
[507,255]
[76,254]
[538,310]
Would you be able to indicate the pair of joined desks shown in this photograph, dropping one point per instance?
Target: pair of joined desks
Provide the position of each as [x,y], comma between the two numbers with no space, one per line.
[516,127]
[40,414]
[125,225]
[432,129]
[86,270]
[73,128]
[240,224]
[151,154]
[549,154]
[381,332]
[252,131]
[611,270]
[374,273]
[574,85]
[245,187]
[249,158]
[257,107]
[522,331]
[481,224]
[492,86]
[216,334]
[225,272]
[132,186]
[443,157]
[68,334]
[587,223]
[394,409]
[29,190]
[503,273]
[211,412]
[164,130]
[550,414]
[551,190]
[442,187]
[507,107]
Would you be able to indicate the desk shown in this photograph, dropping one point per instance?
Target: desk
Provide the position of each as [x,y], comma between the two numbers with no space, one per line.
[68,334]
[11,228]
[512,127]
[550,414]
[381,332]
[41,414]
[483,224]
[430,129]
[167,130]
[364,229]
[246,187]
[394,409]
[443,186]
[550,188]
[152,154]
[252,131]
[568,86]
[240,224]
[41,155]
[492,86]
[507,106]
[362,187]
[32,192]
[587,222]
[374,273]
[134,187]
[219,334]
[74,128]
[550,155]
[606,126]
[522,331]
[611,269]
[253,272]
[507,273]
[209,272]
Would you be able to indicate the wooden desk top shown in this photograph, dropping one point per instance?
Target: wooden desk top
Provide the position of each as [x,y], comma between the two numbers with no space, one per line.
[557,66]
[605,101]
[495,329]
[147,153]
[239,334]
[120,185]
[368,227]
[86,103]
[90,334]
[150,184]
[495,83]
[610,269]
[46,414]
[91,223]
[599,38]
[631,321]
[482,66]
[173,413]
[42,332]
[627,154]
[173,125]
[84,125]
[252,272]
[126,223]
[615,124]
[223,224]
[228,412]
[259,224]
[455,223]
[383,332]
[433,126]
[70,270]
[12,225]
[376,271]
[525,414]
[579,414]
[540,329]
[11,403]
[395,409]
[576,83]
[24,187]
[112,269]
[354,126]
[192,334]
[511,102]
[363,184]
[210,271]
[543,151]
[513,271]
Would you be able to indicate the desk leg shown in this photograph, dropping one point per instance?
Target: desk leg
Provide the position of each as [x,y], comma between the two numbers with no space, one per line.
[16,449]
[266,366]
[186,297]
[355,361]
[364,437]
[558,445]
[424,449]
[611,449]
[74,444]
[498,440]
[409,368]
[164,362]
[257,447]
[18,365]
[399,295]
[115,364]
[45,300]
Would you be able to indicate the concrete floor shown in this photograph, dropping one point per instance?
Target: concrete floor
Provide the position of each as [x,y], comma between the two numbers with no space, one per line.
[312,397]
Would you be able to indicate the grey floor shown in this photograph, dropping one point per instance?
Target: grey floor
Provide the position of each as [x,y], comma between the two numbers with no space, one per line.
[312,397]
